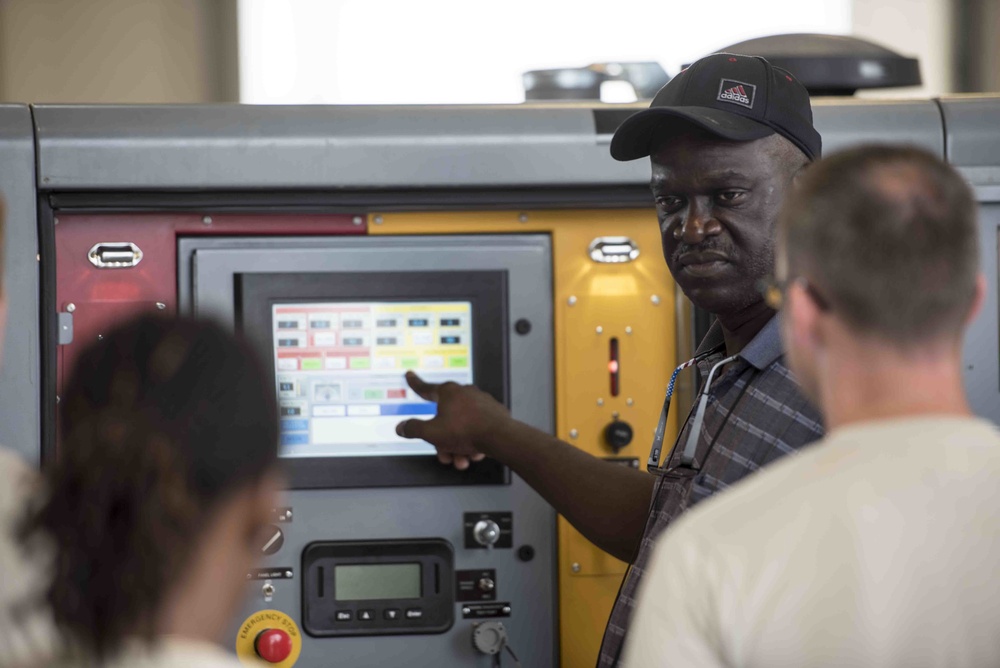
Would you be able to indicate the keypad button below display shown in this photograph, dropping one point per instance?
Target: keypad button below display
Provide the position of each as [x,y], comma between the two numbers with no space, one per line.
[389,614]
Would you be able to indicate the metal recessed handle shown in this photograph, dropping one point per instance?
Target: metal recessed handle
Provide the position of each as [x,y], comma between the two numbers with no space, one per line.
[114,255]
[611,250]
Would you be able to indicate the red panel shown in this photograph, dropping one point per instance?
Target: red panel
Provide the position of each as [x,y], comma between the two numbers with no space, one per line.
[104,297]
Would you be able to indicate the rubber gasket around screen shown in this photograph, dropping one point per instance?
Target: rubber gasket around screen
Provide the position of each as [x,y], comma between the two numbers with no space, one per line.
[487,292]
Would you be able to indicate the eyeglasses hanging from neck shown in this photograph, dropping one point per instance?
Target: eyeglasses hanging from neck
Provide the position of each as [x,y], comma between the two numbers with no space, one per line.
[691,446]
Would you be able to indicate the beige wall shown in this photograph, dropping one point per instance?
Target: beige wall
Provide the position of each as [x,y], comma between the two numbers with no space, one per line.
[977,46]
[914,28]
[118,51]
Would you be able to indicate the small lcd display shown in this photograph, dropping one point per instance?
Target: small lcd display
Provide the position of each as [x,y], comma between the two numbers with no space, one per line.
[339,371]
[372,582]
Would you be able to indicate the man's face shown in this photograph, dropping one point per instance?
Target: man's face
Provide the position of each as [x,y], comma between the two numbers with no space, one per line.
[717,203]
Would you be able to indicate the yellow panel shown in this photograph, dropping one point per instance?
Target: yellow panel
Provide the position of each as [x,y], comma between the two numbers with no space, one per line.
[633,302]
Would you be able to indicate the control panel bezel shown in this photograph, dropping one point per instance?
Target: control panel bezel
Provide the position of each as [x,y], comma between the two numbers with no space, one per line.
[324,616]
[487,291]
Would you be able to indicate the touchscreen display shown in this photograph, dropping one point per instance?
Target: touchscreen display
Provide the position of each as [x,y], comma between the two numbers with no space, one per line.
[339,371]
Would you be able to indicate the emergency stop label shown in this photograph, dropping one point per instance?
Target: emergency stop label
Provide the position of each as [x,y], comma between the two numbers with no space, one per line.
[256,624]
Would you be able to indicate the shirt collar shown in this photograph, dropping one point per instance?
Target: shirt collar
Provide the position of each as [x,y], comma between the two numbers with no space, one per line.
[762,351]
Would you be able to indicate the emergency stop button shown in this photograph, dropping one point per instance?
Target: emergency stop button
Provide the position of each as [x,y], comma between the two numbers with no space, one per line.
[271,636]
[273,645]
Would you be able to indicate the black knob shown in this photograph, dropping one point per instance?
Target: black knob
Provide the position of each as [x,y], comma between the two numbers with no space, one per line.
[618,434]
[522,326]
[526,553]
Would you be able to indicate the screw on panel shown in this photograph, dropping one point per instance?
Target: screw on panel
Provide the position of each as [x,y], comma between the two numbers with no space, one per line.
[628,330]
[358,220]
[573,433]
[249,576]
[70,308]
[378,220]
[572,300]
[600,330]
[629,402]
[207,220]
[575,568]
[655,299]
[600,402]
[100,337]
[160,306]
[522,217]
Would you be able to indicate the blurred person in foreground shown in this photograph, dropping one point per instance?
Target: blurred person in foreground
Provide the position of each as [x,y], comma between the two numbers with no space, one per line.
[878,545]
[167,472]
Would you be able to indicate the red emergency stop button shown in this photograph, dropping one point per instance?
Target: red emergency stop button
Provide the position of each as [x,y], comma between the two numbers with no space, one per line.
[273,645]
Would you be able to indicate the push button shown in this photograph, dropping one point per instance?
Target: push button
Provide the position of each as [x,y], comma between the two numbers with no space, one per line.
[392,614]
[273,645]
[366,615]
[415,613]
[344,615]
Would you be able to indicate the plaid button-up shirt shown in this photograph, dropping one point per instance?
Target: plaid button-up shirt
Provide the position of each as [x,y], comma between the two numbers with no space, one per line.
[756,413]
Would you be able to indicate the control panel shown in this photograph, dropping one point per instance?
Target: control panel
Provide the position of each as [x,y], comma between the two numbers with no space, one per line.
[355,588]
[382,555]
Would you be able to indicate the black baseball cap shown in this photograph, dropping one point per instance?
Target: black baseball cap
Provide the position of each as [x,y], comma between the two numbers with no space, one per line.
[735,97]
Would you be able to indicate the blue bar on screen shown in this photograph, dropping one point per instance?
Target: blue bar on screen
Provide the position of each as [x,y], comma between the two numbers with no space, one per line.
[297,438]
[294,425]
[409,409]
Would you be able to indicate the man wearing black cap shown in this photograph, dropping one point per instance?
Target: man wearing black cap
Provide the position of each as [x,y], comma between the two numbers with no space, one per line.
[726,138]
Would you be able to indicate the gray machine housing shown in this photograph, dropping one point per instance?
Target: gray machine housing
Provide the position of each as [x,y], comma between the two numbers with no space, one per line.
[359,159]
[315,158]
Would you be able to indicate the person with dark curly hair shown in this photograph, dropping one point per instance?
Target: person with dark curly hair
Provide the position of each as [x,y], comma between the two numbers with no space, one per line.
[167,472]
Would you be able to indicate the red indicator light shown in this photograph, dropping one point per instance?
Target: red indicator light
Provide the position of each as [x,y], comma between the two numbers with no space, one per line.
[613,366]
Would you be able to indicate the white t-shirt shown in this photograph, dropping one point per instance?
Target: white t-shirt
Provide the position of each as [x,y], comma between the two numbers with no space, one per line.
[27,635]
[877,546]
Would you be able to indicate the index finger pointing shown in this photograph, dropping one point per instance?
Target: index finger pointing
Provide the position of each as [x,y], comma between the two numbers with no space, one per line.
[427,391]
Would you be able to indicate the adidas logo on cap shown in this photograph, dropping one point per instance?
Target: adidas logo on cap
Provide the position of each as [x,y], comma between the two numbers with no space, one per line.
[737,92]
